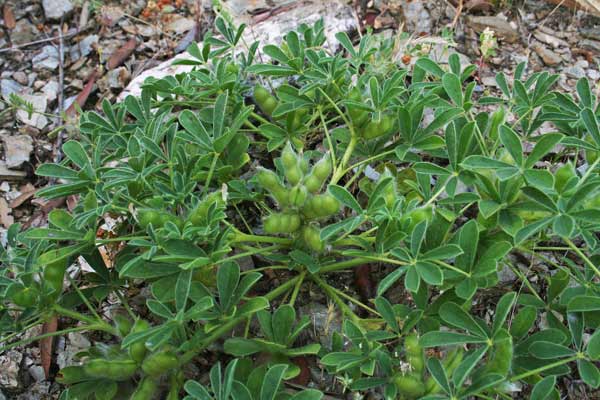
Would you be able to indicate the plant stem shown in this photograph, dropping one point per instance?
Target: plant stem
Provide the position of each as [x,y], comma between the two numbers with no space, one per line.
[353,300]
[91,327]
[452,268]
[229,325]
[330,291]
[329,142]
[345,264]
[544,368]
[297,288]
[244,237]
[339,172]
[582,256]
[211,171]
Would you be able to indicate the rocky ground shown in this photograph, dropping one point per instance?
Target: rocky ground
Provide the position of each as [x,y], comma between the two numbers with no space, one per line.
[62,55]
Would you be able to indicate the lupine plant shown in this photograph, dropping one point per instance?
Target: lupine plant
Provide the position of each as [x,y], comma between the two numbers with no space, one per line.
[312,162]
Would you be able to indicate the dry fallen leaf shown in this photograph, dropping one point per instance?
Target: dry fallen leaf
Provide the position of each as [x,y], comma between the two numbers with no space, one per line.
[590,6]
[27,192]
[122,54]
[83,95]
[46,344]
[9,17]
[5,218]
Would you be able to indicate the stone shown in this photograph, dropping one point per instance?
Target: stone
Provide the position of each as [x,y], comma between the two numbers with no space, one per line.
[83,48]
[549,57]
[46,59]
[56,9]
[441,52]
[37,373]
[549,39]
[110,15]
[180,25]
[588,44]
[35,119]
[50,90]
[501,27]
[76,339]
[24,32]
[117,78]
[8,87]
[17,149]
[337,16]
[21,77]
[593,74]
[9,365]
[417,17]
[574,71]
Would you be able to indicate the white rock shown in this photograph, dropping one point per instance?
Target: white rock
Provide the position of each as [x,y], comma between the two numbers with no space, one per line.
[8,86]
[83,48]
[78,340]
[180,25]
[37,373]
[35,119]
[55,9]
[417,17]
[575,72]
[9,365]
[17,149]
[47,58]
[50,90]
[593,74]
[337,16]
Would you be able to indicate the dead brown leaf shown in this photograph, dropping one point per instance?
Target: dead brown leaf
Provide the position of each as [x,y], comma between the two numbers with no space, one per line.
[46,344]
[5,218]
[590,6]
[83,95]
[9,17]
[27,191]
[122,54]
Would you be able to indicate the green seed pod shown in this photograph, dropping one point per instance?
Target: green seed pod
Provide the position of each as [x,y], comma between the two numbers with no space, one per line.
[322,169]
[137,351]
[289,158]
[294,222]
[298,196]
[293,175]
[71,375]
[303,165]
[308,209]
[281,196]
[268,179]
[123,324]
[312,183]
[160,362]
[116,370]
[147,217]
[417,215]
[273,224]
[329,205]
[265,100]
[146,390]
[312,239]
[376,129]
[409,386]
[414,353]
